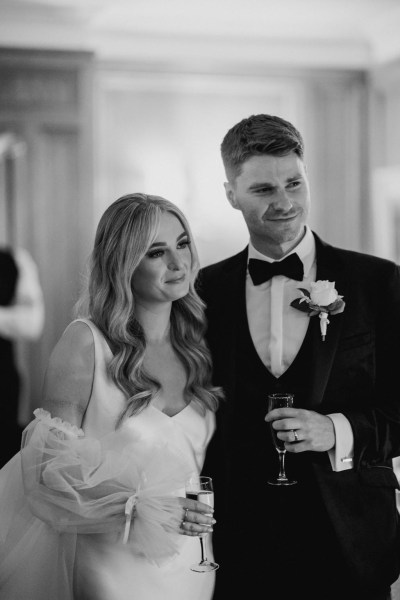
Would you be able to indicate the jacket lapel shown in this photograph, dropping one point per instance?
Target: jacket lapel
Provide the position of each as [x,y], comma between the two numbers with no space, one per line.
[331,267]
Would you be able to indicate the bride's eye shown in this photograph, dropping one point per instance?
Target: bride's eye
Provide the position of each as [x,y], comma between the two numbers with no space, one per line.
[155,253]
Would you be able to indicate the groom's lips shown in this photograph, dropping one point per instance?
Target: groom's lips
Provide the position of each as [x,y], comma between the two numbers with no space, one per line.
[281,218]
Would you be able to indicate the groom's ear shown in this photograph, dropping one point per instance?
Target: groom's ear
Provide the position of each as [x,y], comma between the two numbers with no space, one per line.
[230,194]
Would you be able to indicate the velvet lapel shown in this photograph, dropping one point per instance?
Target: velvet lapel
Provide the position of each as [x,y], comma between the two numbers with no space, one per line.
[331,267]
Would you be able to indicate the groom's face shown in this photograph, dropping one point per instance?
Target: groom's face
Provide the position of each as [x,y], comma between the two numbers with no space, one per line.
[272,192]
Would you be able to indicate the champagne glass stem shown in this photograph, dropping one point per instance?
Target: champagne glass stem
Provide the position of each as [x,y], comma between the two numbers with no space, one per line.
[282,474]
[203,552]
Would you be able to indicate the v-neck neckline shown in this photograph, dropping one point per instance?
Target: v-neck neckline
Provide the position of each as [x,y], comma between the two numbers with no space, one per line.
[171,416]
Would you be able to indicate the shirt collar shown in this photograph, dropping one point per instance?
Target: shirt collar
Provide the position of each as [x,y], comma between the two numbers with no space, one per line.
[305,249]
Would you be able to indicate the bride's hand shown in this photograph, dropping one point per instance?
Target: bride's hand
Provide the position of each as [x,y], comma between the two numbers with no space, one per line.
[197,517]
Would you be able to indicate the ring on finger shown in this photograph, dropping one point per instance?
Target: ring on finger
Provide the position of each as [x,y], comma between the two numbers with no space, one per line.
[296,437]
[185,517]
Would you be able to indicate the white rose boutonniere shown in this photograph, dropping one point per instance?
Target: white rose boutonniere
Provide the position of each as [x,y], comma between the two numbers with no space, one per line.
[323,300]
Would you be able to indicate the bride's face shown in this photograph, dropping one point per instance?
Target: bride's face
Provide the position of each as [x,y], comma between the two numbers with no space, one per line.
[164,273]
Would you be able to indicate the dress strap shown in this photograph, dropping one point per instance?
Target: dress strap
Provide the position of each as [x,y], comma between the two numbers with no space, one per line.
[102,349]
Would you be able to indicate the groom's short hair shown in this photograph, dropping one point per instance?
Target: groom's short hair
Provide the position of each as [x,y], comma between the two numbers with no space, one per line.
[258,135]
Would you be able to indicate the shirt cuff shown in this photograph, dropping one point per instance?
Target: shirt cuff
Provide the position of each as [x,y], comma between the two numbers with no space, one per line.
[341,456]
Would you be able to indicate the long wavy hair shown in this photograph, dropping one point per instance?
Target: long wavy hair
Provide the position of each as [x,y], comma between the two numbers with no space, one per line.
[124,235]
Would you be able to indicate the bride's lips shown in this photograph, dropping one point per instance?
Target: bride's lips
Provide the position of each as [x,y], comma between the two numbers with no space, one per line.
[177,279]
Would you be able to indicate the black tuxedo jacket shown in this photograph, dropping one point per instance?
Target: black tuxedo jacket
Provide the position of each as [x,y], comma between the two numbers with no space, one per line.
[355,371]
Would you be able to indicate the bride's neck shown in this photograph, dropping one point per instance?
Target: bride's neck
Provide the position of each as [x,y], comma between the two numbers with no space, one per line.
[155,323]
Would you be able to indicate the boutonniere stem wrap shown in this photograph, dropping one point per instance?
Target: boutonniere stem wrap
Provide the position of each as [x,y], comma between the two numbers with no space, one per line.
[323,300]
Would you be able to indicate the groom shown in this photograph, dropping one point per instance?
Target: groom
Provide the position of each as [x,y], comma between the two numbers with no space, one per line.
[334,534]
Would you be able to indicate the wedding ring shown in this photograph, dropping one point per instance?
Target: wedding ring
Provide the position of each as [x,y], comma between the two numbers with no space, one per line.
[296,437]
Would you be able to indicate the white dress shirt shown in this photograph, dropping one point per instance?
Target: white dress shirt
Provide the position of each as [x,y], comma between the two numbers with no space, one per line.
[278,331]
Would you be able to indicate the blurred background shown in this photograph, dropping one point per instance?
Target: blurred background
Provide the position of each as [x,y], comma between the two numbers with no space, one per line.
[101,98]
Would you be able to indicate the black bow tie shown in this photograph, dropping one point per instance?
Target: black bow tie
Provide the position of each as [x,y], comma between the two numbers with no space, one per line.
[261,270]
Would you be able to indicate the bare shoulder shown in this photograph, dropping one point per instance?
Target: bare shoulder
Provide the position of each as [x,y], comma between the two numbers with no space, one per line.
[69,376]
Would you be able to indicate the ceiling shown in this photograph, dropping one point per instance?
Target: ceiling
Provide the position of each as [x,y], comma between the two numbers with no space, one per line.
[329,33]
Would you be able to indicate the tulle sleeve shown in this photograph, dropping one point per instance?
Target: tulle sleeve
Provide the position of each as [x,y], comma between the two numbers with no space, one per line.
[80,485]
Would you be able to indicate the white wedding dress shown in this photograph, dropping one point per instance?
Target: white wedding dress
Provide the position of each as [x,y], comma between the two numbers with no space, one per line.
[62,501]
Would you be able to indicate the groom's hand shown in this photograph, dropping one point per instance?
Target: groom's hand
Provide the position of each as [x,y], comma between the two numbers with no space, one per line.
[302,430]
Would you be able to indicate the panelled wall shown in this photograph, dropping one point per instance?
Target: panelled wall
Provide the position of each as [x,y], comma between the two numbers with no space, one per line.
[46,105]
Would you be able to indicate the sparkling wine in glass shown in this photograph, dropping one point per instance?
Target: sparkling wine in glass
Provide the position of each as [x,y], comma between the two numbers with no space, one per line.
[201,488]
[280,400]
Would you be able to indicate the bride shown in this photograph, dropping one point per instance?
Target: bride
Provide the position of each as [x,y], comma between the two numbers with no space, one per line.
[93,506]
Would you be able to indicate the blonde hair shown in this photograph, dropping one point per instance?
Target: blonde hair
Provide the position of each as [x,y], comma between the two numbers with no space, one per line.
[124,235]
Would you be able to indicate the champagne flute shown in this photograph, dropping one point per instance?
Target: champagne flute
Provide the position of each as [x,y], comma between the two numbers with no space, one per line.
[280,400]
[201,488]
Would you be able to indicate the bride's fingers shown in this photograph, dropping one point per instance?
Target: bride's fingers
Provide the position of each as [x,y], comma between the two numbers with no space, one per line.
[195,529]
[194,523]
